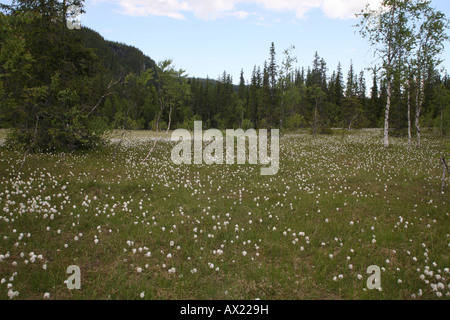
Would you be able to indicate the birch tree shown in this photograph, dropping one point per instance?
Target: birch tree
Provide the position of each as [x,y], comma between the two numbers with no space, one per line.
[430,38]
[390,33]
[172,89]
[286,83]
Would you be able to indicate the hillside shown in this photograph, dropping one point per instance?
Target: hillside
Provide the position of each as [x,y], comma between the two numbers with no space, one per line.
[117,58]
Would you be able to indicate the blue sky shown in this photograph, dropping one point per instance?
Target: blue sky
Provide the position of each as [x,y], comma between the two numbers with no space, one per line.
[206,37]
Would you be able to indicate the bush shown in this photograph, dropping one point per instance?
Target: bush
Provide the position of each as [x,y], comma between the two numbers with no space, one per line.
[445,122]
[325,131]
[75,133]
[161,126]
[247,124]
[188,124]
[295,121]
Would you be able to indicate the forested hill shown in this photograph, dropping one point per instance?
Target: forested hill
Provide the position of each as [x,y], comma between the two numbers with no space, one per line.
[117,58]
[122,59]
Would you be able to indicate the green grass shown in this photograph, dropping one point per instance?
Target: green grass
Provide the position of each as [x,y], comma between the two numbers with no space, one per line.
[341,193]
[3,135]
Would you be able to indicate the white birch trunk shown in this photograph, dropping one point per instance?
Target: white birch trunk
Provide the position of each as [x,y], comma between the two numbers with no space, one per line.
[386,114]
[444,172]
[409,116]
[170,121]
[419,103]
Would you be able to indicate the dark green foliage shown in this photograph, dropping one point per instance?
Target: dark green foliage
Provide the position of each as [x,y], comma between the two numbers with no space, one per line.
[47,76]
[117,58]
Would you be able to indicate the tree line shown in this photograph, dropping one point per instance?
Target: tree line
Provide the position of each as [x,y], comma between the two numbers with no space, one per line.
[285,97]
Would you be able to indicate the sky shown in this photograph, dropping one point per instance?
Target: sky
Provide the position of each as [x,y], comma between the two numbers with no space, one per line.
[207,37]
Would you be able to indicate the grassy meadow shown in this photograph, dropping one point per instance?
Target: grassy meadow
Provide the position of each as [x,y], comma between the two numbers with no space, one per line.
[156,230]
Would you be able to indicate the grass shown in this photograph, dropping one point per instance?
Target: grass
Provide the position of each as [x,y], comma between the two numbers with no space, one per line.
[3,134]
[228,232]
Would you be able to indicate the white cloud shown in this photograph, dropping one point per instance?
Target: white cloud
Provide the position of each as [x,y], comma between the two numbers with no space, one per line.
[212,9]
[300,7]
[240,14]
[346,9]
[202,9]
[169,8]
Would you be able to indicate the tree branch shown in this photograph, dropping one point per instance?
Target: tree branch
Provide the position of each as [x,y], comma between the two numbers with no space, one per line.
[110,85]
[444,172]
